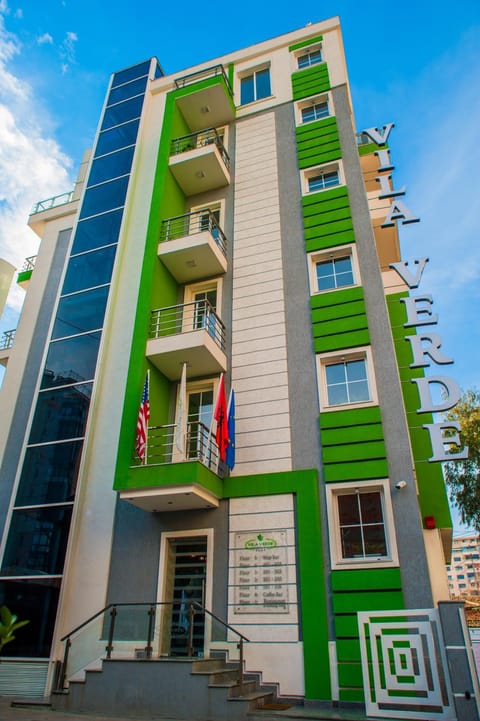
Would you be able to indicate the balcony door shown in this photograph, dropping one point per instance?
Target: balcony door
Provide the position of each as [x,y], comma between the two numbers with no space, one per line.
[201,302]
[200,411]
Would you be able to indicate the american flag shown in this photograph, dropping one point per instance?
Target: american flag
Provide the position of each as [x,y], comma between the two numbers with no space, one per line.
[142,422]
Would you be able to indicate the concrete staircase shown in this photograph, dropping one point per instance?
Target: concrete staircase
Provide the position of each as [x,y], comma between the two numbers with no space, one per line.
[176,688]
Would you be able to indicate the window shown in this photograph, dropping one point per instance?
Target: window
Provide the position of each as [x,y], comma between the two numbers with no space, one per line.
[460,576]
[310,57]
[327,179]
[315,112]
[361,524]
[255,86]
[346,379]
[334,273]
[457,558]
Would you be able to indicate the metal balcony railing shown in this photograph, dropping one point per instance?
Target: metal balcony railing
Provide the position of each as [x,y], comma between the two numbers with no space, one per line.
[186,318]
[202,138]
[198,444]
[6,341]
[199,221]
[62,199]
[203,75]
[29,264]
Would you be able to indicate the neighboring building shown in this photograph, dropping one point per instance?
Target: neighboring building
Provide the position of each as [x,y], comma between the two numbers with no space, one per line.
[229,221]
[463,572]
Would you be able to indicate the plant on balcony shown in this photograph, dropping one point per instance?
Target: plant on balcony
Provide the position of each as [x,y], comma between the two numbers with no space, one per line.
[8,624]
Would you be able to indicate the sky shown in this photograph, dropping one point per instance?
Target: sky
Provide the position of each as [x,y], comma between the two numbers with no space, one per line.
[414,63]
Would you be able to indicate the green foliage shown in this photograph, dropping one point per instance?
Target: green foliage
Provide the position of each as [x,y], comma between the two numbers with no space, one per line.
[463,476]
[8,624]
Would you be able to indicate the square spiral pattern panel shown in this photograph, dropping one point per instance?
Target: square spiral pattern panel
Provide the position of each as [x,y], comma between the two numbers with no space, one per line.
[402,663]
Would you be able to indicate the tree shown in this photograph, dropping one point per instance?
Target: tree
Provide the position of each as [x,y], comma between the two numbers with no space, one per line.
[8,624]
[463,476]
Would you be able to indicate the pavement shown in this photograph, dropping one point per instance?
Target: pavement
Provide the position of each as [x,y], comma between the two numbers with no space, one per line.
[29,710]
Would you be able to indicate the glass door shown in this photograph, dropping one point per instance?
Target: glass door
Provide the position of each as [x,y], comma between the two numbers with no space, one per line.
[200,411]
[189,562]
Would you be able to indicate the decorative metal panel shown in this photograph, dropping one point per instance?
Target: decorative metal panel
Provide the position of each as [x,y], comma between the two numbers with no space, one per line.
[403,665]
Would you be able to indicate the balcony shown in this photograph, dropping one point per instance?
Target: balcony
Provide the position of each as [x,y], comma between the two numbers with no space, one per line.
[23,278]
[210,100]
[55,207]
[199,162]
[189,333]
[193,246]
[6,343]
[177,486]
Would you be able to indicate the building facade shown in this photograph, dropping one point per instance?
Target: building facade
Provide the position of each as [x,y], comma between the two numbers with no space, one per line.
[230,227]
[463,571]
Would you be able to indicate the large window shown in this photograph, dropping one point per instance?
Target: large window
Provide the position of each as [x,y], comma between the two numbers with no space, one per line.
[309,57]
[346,379]
[321,181]
[255,86]
[361,524]
[334,272]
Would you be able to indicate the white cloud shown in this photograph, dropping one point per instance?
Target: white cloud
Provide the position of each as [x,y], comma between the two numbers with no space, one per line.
[32,165]
[67,50]
[45,39]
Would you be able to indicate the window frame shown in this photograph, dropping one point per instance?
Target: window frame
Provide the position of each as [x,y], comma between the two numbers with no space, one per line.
[252,72]
[332,254]
[306,52]
[334,490]
[310,173]
[332,358]
[310,102]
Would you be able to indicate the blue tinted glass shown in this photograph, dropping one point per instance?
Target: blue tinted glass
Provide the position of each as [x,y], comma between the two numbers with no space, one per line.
[263,83]
[128,110]
[247,93]
[36,600]
[356,370]
[358,391]
[80,313]
[119,137]
[111,166]
[343,265]
[71,360]
[37,542]
[61,414]
[136,71]
[104,197]
[136,87]
[308,114]
[96,232]
[337,394]
[89,270]
[49,474]
[335,373]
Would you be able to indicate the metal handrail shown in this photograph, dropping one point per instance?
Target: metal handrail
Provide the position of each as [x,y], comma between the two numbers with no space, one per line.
[29,263]
[202,75]
[52,202]
[186,318]
[200,139]
[198,221]
[112,607]
[7,339]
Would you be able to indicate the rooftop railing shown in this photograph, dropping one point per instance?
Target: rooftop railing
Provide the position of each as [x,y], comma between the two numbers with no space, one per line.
[211,72]
[199,221]
[28,264]
[6,341]
[185,318]
[202,138]
[52,202]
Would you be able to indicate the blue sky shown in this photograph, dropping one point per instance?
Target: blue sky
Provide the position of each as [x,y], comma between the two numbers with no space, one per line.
[413,63]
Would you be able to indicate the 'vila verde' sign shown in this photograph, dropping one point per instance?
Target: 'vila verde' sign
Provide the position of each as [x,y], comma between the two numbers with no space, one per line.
[425,344]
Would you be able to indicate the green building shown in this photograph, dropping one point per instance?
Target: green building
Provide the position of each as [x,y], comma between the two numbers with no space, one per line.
[230,230]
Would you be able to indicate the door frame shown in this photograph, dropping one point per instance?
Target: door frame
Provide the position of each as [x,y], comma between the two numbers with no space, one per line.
[161,617]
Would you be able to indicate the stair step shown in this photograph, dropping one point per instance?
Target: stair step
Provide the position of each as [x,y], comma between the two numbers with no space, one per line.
[30,703]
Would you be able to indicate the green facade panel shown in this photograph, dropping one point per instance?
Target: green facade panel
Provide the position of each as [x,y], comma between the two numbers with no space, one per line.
[339,320]
[357,471]
[327,219]
[318,142]
[433,498]
[367,601]
[310,81]
[24,275]
[305,43]
[362,578]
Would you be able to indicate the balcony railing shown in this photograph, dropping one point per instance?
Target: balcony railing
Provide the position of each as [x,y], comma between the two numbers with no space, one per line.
[200,221]
[29,264]
[210,136]
[203,75]
[198,445]
[186,318]
[52,202]
[6,341]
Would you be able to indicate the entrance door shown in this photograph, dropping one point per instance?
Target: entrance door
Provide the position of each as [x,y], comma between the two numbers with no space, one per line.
[188,557]
[200,410]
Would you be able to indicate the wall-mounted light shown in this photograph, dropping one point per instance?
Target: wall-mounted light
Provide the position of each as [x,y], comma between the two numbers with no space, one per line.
[430,522]
[400,485]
